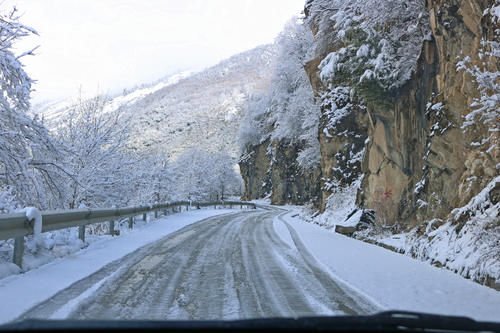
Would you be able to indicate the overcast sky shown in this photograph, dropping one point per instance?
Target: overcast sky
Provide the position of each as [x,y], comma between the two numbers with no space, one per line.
[107,45]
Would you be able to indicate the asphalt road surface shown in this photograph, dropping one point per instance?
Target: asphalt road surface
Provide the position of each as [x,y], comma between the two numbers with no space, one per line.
[226,267]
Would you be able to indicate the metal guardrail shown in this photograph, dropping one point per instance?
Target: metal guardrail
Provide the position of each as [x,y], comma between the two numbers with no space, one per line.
[18,225]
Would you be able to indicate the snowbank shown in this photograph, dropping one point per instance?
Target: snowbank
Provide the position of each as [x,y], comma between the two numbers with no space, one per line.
[392,280]
[468,243]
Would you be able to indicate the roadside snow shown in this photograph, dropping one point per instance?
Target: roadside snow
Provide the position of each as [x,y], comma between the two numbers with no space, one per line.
[467,242]
[394,281]
[21,292]
[34,215]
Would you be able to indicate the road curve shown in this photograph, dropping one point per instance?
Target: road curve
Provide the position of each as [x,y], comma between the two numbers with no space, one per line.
[226,267]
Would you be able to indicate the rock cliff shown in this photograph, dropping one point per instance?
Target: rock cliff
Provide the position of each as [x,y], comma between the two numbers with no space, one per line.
[405,144]
[408,128]
[271,170]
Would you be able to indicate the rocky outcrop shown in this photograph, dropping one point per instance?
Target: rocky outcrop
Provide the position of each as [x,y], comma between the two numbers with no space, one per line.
[270,169]
[291,184]
[456,166]
[394,155]
[254,169]
[405,146]
[422,154]
[418,162]
[342,143]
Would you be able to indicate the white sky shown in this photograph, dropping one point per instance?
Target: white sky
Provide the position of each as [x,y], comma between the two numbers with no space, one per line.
[107,45]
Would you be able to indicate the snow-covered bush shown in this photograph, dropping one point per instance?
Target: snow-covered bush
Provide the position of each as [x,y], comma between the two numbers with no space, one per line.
[8,201]
[339,205]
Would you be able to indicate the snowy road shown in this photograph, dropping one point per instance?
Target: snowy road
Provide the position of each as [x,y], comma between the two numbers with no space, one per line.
[233,266]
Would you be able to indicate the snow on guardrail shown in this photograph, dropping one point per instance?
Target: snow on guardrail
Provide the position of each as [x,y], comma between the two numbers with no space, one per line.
[33,222]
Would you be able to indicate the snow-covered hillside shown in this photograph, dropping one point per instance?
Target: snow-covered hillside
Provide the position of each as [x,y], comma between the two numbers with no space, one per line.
[188,109]
[52,110]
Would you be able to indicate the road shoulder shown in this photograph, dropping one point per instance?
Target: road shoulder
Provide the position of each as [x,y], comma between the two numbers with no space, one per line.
[393,280]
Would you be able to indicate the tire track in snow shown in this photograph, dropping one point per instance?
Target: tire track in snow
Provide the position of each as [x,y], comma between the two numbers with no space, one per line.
[225,267]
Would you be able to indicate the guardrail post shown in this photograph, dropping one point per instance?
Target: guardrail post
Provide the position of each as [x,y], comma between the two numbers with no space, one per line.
[144,217]
[81,233]
[187,207]
[131,222]
[18,251]
[156,214]
[112,228]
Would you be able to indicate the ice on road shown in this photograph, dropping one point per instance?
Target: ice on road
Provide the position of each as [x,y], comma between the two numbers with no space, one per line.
[225,267]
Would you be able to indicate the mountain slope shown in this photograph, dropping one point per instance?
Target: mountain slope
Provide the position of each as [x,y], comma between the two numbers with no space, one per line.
[203,110]
[187,110]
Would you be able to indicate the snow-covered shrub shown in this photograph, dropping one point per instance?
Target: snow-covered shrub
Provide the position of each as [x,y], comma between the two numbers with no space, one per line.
[337,105]
[379,41]
[339,204]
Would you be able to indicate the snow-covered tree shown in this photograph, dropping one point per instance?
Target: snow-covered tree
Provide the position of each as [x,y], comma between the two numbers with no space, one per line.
[224,180]
[94,144]
[287,111]
[28,157]
[153,180]
[202,175]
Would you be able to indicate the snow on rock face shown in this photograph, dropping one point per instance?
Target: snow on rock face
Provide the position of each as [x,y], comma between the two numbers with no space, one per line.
[382,39]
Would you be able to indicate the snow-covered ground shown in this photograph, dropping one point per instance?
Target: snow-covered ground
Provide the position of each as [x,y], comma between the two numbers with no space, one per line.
[467,242]
[391,280]
[18,293]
